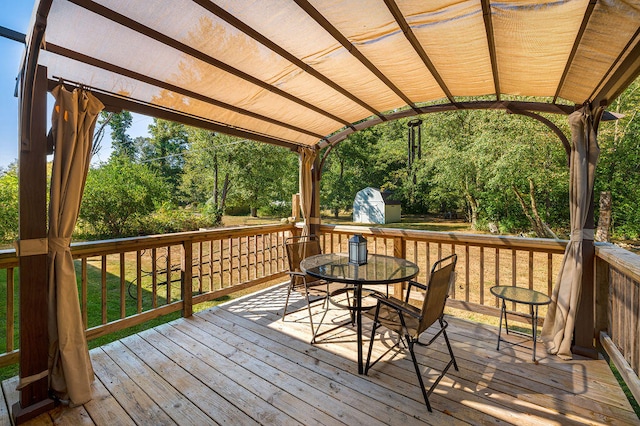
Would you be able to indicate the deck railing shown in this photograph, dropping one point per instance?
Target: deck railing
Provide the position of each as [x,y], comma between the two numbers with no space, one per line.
[483,261]
[130,281]
[618,310]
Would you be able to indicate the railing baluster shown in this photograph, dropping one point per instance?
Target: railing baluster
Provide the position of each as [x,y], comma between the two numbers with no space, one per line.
[139,280]
[549,273]
[10,310]
[154,278]
[168,296]
[497,273]
[481,275]
[103,285]
[531,269]
[84,292]
[123,301]
[466,272]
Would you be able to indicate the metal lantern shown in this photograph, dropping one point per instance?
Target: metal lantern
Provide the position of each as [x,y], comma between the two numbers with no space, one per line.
[358,250]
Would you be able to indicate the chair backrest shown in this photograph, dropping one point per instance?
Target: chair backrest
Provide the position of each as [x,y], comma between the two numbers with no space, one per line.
[441,279]
[299,248]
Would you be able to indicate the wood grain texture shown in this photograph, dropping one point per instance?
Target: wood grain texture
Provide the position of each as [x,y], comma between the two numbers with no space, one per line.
[239,363]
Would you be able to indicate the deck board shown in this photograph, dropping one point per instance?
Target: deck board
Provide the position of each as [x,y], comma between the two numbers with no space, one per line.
[239,363]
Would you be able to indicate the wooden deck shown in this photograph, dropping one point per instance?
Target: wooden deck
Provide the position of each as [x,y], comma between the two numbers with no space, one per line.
[241,364]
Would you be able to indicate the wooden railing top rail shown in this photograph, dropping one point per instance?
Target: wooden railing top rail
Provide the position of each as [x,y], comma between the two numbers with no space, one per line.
[623,260]
[499,241]
[9,259]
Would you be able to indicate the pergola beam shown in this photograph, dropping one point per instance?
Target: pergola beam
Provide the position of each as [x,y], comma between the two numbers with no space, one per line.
[235,22]
[491,42]
[195,53]
[50,47]
[406,29]
[574,49]
[340,38]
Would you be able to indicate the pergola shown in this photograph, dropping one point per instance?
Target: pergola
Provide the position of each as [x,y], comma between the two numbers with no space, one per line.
[305,74]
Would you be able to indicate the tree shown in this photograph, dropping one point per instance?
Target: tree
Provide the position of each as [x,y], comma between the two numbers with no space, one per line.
[618,170]
[163,151]
[9,203]
[118,194]
[121,142]
[208,170]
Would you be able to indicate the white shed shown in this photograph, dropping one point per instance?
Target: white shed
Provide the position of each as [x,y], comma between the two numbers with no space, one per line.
[374,206]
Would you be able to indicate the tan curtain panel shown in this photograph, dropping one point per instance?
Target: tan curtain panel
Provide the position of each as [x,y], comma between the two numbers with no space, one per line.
[73,122]
[307,157]
[557,331]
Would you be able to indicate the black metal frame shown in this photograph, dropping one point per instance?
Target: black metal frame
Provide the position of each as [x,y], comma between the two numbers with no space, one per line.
[402,309]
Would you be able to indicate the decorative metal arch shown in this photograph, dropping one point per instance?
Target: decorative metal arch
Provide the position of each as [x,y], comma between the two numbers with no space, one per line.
[528,109]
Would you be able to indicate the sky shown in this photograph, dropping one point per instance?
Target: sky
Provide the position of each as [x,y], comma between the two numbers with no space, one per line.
[15,15]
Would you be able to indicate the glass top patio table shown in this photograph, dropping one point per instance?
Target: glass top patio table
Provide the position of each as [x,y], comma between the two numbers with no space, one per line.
[379,269]
[522,295]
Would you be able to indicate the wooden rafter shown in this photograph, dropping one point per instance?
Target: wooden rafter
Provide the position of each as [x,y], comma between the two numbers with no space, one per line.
[235,22]
[406,29]
[50,47]
[574,49]
[488,25]
[188,50]
[324,23]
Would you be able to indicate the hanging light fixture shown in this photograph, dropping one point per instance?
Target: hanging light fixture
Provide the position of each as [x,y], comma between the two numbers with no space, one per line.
[358,250]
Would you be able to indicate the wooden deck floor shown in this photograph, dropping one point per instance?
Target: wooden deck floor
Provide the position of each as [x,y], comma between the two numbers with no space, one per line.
[240,364]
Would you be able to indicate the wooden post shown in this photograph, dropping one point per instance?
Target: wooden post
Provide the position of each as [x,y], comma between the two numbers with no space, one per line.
[399,250]
[34,339]
[314,220]
[187,279]
[295,206]
[584,333]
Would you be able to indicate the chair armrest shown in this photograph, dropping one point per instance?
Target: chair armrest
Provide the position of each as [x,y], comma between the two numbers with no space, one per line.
[414,284]
[399,305]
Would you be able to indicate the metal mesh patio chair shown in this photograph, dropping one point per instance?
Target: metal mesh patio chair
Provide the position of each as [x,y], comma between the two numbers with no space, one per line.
[313,289]
[410,321]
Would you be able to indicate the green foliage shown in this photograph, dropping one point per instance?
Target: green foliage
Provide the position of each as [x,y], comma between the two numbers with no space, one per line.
[163,152]
[9,204]
[619,166]
[169,219]
[118,195]
[222,171]
[121,142]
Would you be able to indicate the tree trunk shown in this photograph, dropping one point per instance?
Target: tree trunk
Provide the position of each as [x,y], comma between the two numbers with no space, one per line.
[215,179]
[546,231]
[525,210]
[473,205]
[604,220]
[540,228]
[254,212]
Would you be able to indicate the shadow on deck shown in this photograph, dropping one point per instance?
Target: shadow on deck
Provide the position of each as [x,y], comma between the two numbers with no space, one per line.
[239,363]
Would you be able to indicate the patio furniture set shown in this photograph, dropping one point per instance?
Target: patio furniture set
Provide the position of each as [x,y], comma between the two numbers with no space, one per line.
[352,281]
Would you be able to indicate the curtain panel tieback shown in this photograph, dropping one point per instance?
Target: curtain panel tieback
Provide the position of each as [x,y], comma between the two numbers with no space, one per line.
[59,244]
[578,235]
[26,381]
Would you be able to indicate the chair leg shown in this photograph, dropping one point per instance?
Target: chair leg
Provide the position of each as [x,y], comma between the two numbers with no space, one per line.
[417,368]
[446,339]
[316,331]
[286,303]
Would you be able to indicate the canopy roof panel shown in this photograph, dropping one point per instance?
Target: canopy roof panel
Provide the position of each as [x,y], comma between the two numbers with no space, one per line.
[303,72]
